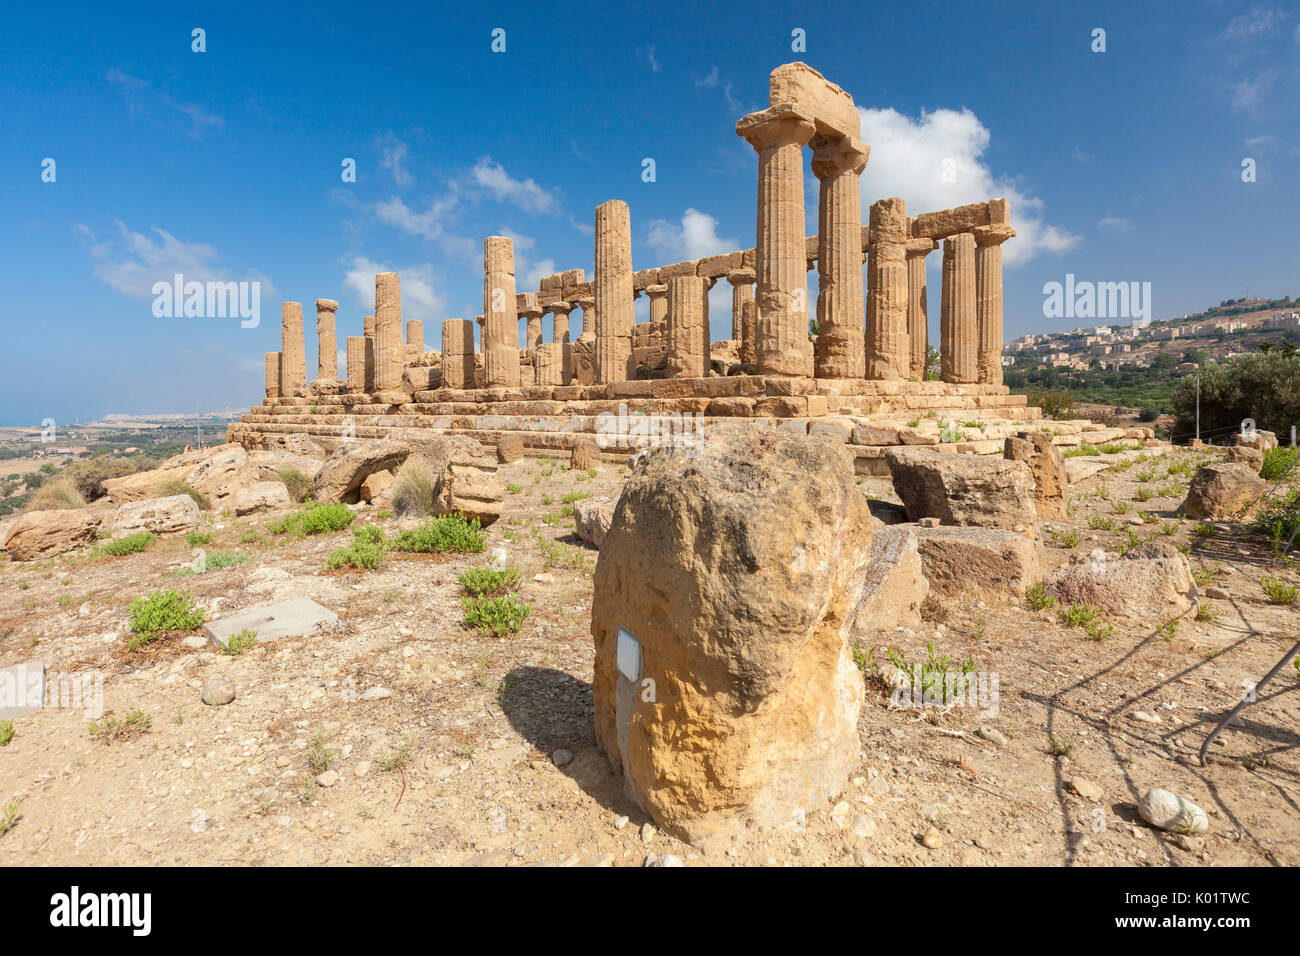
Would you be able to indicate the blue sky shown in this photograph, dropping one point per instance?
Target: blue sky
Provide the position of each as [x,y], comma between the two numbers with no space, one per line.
[1120,166]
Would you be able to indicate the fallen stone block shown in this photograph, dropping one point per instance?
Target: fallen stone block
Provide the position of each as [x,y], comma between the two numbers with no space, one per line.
[985,563]
[1223,491]
[1047,465]
[260,496]
[591,520]
[895,585]
[341,476]
[299,617]
[972,490]
[1150,584]
[41,534]
[170,515]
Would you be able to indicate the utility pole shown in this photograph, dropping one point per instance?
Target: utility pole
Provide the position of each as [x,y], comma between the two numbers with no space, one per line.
[1198,408]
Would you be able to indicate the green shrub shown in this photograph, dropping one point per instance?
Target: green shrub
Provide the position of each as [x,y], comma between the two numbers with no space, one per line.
[215,561]
[168,610]
[446,533]
[314,519]
[131,544]
[368,549]
[1055,403]
[6,732]
[1278,519]
[488,582]
[1039,599]
[1080,615]
[299,486]
[196,538]
[1278,591]
[1277,462]
[243,641]
[1067,538]
[499,615]
[1264,386]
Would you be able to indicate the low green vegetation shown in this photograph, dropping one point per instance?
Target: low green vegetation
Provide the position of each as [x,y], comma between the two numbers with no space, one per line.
[243,641]
[314,519]
[197,538]
[446,533]
[495,615]
[1278,591]
[168,610]
[1079,615]
[489,582]
[299,486]
[366,551]
[1038,598]
[131,544]
[1277,462]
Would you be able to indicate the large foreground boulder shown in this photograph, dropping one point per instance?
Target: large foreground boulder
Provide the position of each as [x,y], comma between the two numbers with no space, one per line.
[1150,584]
[1047,465]
[976,490]
[1223,490]
[170,515]
[985,564]
[725,692]
[42,534]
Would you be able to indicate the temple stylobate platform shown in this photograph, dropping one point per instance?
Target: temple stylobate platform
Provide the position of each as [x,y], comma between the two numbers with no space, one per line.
[860,376]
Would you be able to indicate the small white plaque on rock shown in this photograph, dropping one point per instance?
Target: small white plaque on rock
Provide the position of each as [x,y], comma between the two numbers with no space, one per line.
[629,655]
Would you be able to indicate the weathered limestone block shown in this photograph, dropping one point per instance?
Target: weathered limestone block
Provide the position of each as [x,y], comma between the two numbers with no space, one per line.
[293,354]
[327,349]
[614,295]
[687,327]
[1152,583]
[591,521]
[41,534]
[1045,461]
[1260,439]
[414,337]
[949,222]
[767,697]
[376,484]
[510,448]
[548,364]
[585,454]
[980,563]
[958,323]
[144,484]
[169,515]
[352,463]
[261,496]
[500,322]
[829,106]
[223,470]
[963,489]
[583,358]
[1223,491]
[778,136]
[1253,458]
[895,586]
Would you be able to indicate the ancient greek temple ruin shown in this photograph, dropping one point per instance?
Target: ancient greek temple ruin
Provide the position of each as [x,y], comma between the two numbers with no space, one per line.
[860,376]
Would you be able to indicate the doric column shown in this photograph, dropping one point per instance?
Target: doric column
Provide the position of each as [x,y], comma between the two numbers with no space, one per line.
[501,321]
[658,296]
[327,347]
[560,336]
[272,374]
[613,291]
[390,350]
[918,336]
[414,337]
[988,299]
[547,363]
[837,165]
[356,359]
[888,355]
[687,347]
[532,312]
[457,353]
[742,298]
[778,135]
[368,326]
[958,327]
[293,352]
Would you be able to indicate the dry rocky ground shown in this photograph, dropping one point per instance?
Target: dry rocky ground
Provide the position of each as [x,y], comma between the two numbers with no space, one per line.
[447,746]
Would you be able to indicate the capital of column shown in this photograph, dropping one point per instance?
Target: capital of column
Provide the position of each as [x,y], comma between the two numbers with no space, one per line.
[780,125]
[326,305]
[586,303]
[919,247]
[993,235]
[654,292]
[831,156]
[560,308]
[739,277]
[478,320]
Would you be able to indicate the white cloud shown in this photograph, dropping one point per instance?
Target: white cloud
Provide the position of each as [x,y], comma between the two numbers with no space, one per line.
[392,154]
[418,283]
[697,236]
[139,93]
[654,63]
[936,162]
[1116,223]
[1257,22]
[1245,94]
[526,194]
[430,224]
[708,82]
[528,271]
[132,262]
